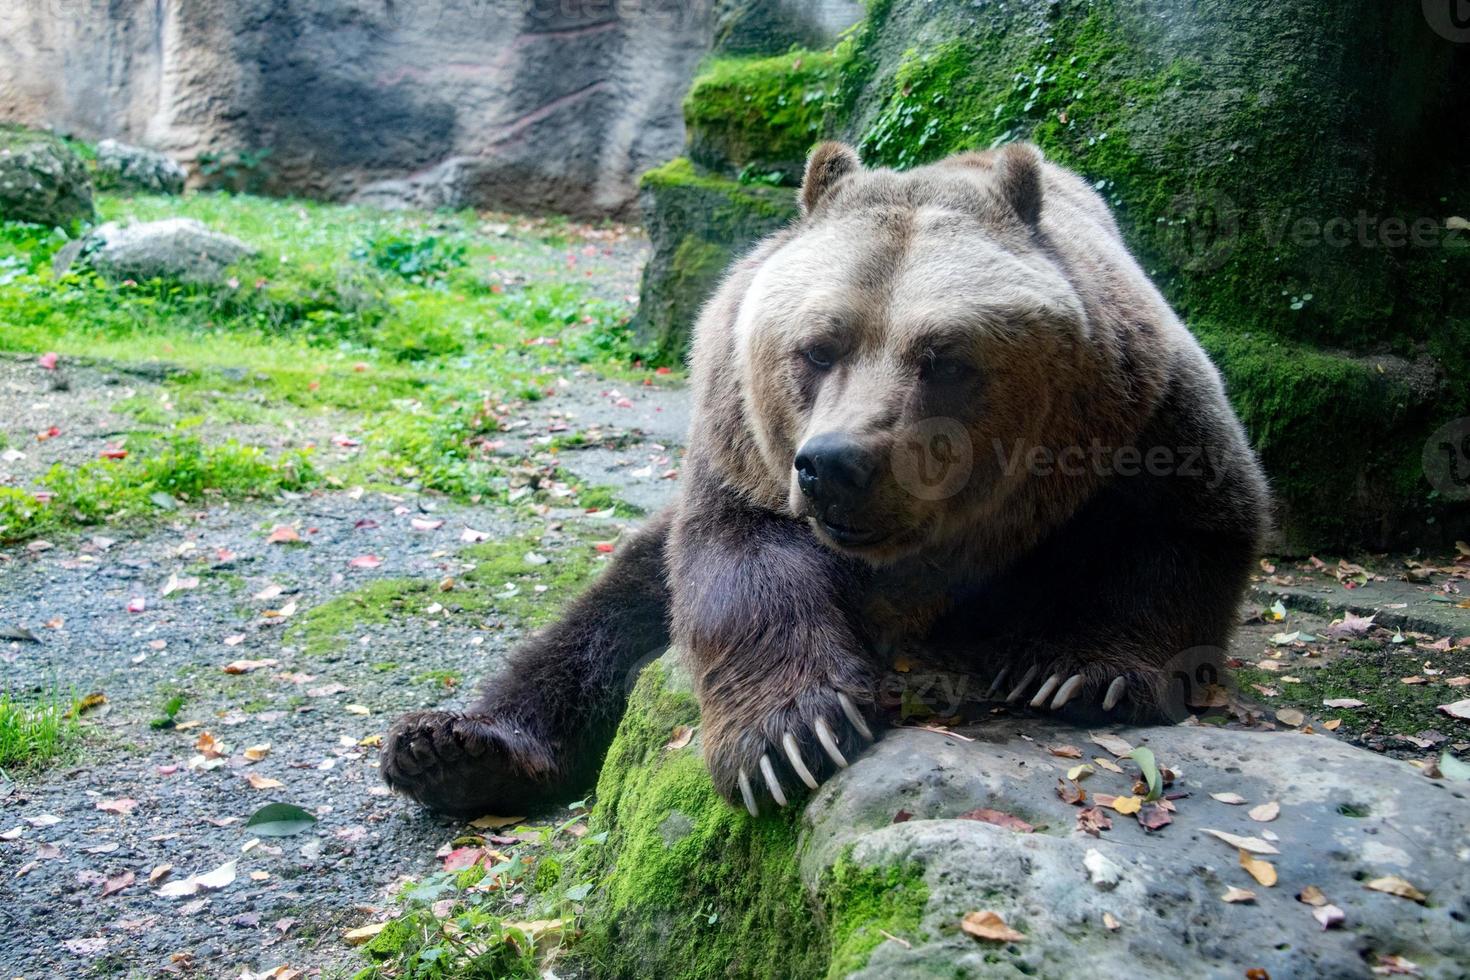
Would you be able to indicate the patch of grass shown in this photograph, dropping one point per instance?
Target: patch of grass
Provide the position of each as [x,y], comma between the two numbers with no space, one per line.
[502,584]
[153,480]
[1374,677]
[33,733]
[169,713]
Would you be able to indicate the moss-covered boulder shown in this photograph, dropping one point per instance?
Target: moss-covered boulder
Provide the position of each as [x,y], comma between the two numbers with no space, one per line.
[873,877]
[692,888]
[1286,175]
[698,224]
[42,180]
[757,118]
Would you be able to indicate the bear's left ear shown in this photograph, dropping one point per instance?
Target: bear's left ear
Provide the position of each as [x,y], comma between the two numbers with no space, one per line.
[1018,174]
[828,164]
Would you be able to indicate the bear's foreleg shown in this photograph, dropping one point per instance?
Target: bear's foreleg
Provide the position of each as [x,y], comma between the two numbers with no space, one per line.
[541,726]
[785,683]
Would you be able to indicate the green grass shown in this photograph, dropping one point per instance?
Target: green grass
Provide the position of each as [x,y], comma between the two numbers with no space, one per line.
[152,481]
[33,733]
[501,585]
[395,327]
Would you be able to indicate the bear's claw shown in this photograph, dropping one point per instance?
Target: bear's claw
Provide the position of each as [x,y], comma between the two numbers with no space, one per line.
[1060,692]
[829,743]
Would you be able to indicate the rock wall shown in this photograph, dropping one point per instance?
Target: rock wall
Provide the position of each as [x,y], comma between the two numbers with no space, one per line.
[529,104]
[1285,174]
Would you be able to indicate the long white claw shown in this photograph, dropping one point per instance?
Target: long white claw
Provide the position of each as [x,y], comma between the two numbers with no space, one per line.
[793,755]
[824,735]
[1020,688]
[1045,690]
[769,772]
[854,716]
[995,684]
[1115,693]
[1067,691]
[749,796]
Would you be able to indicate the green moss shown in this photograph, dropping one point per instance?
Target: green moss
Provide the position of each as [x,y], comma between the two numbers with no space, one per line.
[691,887]
[501,584]
[759,116]
[863,903]
[1373,677]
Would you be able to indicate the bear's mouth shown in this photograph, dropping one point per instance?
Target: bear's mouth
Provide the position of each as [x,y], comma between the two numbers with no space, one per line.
[848,536]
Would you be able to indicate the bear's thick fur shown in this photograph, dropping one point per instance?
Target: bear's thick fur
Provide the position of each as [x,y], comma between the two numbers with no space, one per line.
[945,416]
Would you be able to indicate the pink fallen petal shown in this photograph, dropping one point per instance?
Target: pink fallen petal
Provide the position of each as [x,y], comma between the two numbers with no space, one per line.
[137,604]
[48,360]
[365,561]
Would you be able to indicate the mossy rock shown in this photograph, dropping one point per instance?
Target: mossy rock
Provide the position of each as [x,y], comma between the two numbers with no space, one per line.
[42,180]
[692,888]
[758,118]
[763,27]
[1282,228]
[698,224]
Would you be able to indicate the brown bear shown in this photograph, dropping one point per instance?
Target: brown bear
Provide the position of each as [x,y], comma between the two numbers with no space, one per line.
[945,415]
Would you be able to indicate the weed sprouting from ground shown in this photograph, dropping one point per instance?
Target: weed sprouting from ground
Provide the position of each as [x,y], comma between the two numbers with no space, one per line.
[34,732]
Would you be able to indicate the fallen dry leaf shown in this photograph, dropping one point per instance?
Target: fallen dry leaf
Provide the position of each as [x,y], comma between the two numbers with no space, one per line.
[1263,871]
[365,561]
[1460,709]
[1290,716]
[1233,895]
[990,927]
[360,935]
[1394,885]
[494,823]
[1108,764]
[999,819]
[1092,820]
[1125,805]
[1253,845]
[1070,792]
[1391,966]
[254,753]
[159,873]
[1110,922]
[1112,743]
[246,666]
[210,881]
[1329,915]
[1343,703]
[1233,799]
[257,781]
[210,747]
[1266,812]
[1311,895]
[282,534]
[117,883]
[122,807]
[1065,751]
[680,738]
[1332,725]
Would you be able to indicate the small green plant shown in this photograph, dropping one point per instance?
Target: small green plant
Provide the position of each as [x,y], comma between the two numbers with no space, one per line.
[32,734]
[171,709]
[242,172]
[420,260]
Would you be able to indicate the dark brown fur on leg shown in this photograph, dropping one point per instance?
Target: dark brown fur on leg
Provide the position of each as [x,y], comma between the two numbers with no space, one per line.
[760,614]
[539,728]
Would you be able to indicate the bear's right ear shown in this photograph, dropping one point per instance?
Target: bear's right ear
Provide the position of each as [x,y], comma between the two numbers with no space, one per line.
[828,164]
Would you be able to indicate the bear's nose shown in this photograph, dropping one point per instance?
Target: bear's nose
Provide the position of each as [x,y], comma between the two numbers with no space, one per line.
[834,466]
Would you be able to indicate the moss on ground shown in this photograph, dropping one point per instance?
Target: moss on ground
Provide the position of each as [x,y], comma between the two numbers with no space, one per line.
[757,118]
[501,585]
[1374,676]
[863,903]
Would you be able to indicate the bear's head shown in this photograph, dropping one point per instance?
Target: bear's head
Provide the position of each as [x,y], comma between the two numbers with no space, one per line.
[908,333]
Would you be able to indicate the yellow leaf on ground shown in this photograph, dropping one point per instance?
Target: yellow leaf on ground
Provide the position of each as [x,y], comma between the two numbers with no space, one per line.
[1111,921]
[1290,716]
[1266,812]
[362,934]
[1128,804]
[1394,885]
[254,753]
[1108,764]
[991,927]
[257,781]
[1263,871]
[1312,895]
[494,823]
[1233,799]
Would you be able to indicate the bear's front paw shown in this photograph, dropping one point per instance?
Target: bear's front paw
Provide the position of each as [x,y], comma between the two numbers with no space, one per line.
[769,758]
[466,765]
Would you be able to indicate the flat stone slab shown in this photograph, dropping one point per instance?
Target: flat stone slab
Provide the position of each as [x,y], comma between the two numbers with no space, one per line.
[1347,817]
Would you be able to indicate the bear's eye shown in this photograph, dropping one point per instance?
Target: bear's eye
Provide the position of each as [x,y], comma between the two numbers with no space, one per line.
[940,368]
[821,356]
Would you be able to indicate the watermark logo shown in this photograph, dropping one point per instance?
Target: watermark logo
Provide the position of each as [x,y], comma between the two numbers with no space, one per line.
[1194,681]
[1447,460]
[1450,19]
[933,459]
[1199,230]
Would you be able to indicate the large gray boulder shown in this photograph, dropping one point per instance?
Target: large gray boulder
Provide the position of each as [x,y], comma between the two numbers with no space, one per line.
[176,249]
[133,168]
[842,889]
[42,180]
